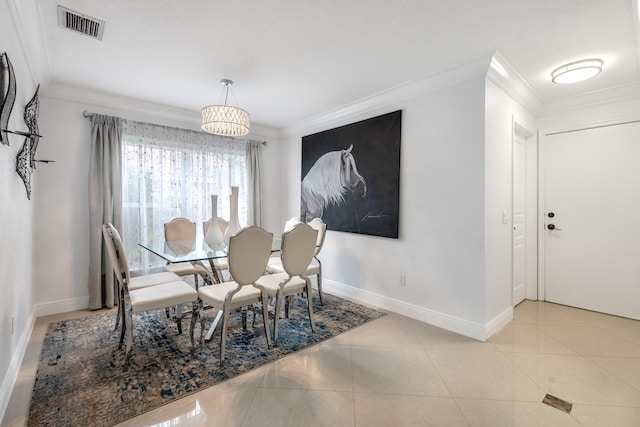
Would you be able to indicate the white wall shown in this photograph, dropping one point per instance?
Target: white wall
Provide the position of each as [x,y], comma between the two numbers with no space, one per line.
[501,112]
[16,296]
[61,218]
[441,244]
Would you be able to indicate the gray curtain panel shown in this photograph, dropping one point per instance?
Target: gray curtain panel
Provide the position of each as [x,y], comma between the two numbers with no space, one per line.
[105,204]
[254,175]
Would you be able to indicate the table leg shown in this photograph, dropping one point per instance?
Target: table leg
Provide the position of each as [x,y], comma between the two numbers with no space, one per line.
[214,325]
[210,278]
[217,274]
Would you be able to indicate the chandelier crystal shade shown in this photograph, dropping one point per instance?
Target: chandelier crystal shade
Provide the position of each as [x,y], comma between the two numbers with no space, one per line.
[225,120]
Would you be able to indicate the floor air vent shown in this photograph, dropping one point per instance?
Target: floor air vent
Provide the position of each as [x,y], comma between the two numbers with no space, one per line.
[80,23]
[556,402]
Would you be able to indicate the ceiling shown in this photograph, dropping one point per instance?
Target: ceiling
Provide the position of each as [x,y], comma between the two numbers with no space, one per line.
[295,59]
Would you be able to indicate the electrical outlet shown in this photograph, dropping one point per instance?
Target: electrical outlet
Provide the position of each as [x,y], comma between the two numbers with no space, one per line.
[402,280]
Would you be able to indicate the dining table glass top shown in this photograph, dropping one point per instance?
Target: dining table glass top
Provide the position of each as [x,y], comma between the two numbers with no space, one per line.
[192,250]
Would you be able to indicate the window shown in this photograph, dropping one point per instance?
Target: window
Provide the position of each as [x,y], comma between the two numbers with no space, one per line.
[168,173]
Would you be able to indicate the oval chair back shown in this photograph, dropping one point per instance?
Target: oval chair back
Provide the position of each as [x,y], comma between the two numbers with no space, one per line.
[248,253]
[179,229]
[180,236]
[298,248]
[117,255]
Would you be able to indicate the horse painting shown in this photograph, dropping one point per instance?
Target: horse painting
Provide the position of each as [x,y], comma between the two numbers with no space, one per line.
[332,176]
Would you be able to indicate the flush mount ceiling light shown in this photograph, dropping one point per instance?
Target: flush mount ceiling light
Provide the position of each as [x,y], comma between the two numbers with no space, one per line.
[577,71]
[225,119]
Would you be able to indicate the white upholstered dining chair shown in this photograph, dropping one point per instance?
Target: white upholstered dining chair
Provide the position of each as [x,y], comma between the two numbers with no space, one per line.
[314,268]
[298,248]
[248,252]
[137,282]
[158,296]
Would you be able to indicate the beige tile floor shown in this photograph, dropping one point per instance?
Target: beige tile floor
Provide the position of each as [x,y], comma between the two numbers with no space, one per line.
[399,372]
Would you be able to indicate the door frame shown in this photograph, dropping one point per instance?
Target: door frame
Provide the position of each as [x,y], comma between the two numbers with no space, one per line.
[541,184]
[617,120]
[541,219]
[532,164]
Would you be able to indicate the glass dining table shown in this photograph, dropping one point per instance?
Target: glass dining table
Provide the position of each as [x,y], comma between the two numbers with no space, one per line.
[198,253]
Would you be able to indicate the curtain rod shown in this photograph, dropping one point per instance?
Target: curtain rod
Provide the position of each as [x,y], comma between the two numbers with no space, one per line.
[87,114]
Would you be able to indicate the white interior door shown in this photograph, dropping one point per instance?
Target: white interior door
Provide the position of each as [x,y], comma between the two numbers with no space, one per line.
[519,218]
[592,198]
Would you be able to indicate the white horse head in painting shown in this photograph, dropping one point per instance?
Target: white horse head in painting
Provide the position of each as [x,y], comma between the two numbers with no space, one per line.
[329,179]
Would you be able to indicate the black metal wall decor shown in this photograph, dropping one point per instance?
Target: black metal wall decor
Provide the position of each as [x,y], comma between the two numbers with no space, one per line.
[25,160]
[351,176]
[23,166]
[31,114]
[8,96]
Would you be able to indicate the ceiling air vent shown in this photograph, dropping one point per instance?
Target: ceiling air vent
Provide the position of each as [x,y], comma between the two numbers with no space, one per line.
[80,23]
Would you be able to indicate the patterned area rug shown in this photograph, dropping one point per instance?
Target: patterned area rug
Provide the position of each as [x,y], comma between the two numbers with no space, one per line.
[82,378]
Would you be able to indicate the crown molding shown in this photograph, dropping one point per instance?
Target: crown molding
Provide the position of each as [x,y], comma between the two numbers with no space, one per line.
[505,76]
[395,96]
[124,105]
[32,42]
[97,99]
[592,99]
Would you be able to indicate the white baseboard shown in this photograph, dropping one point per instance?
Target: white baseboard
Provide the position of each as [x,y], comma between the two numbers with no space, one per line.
[499,322]
[14,367]
[444,321]
[61,306]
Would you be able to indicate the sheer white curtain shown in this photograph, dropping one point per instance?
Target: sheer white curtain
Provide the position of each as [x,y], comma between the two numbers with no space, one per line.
[169,172]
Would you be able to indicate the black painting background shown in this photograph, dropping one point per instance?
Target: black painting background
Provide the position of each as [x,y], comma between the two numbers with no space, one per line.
[376,150]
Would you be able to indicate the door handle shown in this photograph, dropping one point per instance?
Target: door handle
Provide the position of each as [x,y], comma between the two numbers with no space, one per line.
[553,227]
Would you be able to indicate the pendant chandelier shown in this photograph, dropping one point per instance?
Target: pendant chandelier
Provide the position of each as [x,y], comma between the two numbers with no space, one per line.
[225,119]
